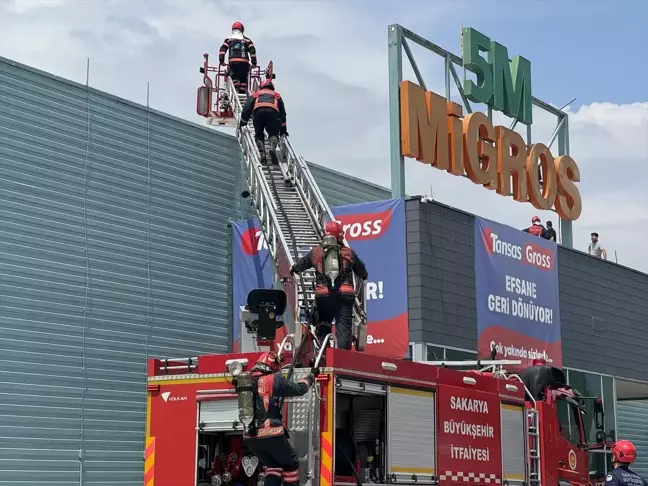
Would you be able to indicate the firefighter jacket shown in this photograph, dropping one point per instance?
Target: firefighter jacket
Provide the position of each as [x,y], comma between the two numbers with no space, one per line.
[624,476]
[240,50]
[270,388]
[350,263]
[264,98]
[537,230]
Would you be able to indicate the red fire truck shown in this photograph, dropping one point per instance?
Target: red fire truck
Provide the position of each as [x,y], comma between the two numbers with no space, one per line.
[372,420]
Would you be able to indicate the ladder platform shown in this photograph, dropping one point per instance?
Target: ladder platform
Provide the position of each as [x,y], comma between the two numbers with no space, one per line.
[213,120]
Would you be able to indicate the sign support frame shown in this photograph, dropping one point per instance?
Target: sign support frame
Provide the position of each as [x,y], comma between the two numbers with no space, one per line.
[398,37]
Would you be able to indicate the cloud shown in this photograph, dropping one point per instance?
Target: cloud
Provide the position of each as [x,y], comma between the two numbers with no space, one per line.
[331,64]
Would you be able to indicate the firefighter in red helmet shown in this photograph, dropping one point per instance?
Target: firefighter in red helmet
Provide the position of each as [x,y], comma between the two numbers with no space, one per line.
[241,52]
[536,228]
[267,439]
[334,265]
[624,453]
[267,108]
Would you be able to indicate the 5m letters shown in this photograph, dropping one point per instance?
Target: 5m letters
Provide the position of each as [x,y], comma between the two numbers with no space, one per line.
[434,131]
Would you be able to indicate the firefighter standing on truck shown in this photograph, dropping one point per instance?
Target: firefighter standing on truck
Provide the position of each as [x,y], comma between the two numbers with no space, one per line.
[624,453]
[268,439]
[269,114]
[241,51]
[334,265]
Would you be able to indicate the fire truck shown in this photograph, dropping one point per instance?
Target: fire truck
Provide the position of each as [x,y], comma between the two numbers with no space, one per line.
[373,420]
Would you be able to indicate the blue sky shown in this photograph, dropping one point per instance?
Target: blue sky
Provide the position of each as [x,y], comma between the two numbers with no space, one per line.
[331,63]
[578,49]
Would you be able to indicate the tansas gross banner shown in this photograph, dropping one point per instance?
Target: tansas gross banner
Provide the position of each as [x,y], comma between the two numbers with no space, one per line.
[251,267]
[518,307]
[376,231]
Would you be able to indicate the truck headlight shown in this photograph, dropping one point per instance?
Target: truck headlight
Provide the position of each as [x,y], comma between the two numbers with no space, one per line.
[216,480]
[235,368]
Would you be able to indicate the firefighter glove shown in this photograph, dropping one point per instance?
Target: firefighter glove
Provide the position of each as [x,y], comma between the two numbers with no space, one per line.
[315,372]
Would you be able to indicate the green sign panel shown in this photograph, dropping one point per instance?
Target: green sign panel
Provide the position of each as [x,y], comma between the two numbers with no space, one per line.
[502,84]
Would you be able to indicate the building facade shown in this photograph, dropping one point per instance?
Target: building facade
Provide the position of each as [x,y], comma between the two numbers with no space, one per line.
[114,248]
[603,308]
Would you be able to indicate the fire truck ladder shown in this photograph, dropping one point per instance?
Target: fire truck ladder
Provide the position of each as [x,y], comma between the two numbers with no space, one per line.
[292,212]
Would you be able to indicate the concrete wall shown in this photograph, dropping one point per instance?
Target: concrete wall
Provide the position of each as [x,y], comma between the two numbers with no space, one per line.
[604,306]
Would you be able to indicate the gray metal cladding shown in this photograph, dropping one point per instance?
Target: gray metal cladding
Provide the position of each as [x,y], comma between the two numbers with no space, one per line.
[633,426]
[113,247]
[340,189]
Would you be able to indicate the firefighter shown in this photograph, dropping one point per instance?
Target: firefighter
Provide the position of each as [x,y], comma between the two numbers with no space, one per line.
[269,439]
[269,114]
[536,228]
[334,265]
[624,453]
[241,51]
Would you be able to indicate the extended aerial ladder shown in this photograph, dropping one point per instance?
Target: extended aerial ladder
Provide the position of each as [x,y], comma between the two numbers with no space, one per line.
[286,198]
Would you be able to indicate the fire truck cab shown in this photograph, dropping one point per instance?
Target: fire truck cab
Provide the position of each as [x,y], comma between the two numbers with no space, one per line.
[372,420]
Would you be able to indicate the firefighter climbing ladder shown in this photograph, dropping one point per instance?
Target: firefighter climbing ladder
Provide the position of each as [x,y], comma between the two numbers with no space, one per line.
[292,212]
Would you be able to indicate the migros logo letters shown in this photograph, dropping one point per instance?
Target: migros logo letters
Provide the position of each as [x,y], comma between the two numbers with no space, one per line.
[435,131]
[529,254]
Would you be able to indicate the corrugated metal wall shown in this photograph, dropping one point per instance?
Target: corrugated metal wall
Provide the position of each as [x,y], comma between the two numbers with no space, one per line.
[632,424]
[113,246]
[339,189]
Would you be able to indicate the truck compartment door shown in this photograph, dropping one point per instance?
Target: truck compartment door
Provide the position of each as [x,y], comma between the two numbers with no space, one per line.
[514,444]
[411,435]
[219,415]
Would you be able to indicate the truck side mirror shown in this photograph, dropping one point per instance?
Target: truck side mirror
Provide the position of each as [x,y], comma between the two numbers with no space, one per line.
[599,416]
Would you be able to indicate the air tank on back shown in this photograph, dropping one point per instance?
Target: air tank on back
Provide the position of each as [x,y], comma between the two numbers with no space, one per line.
[331,259]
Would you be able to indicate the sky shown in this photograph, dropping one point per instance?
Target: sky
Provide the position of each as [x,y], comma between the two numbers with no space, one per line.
[332,71]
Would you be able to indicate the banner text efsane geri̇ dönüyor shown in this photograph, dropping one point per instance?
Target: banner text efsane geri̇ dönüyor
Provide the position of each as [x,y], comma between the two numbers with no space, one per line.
[376,231]
[518,308]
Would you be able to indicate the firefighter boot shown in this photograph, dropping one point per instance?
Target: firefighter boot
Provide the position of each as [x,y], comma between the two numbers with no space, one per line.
[261,146]
[273,141]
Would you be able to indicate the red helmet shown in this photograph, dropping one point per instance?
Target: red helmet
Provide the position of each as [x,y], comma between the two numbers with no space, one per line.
[535,218]
[268,362]
[238,26]
[334,228]
[266,84]
[624,451]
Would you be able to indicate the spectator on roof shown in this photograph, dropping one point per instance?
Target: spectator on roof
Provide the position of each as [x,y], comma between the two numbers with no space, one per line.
[551,232]
[595,248]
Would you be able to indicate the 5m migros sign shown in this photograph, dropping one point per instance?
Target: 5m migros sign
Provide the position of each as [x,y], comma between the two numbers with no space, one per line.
[435,131]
